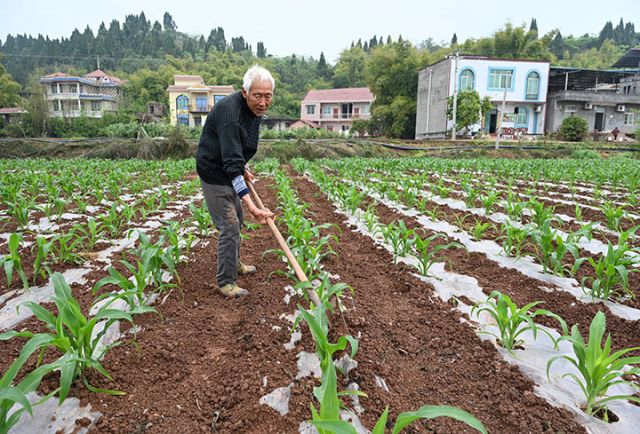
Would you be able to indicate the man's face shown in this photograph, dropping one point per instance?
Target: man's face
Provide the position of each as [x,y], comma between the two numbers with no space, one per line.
[259,97]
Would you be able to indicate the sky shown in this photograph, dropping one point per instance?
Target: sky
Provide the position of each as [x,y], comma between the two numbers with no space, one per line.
[308,28]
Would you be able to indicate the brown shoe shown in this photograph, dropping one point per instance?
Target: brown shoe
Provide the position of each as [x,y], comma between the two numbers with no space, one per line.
[244,269]
[233,290]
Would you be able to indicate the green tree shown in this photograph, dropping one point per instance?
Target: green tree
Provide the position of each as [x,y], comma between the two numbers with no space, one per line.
[9,89]
[469,108]
[392,75]
[349,70]
[261,52]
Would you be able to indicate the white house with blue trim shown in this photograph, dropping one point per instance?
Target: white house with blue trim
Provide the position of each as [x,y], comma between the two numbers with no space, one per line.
[521,84]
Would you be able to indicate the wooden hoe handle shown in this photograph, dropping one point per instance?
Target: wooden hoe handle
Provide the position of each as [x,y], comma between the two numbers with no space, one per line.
[283,245]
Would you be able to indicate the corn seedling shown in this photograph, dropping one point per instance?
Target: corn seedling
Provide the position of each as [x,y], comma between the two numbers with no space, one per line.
[427,251]
[612,272]
[599,368]
[16,395]
[551,249]
[479,228]
[399,237]
[541,212]
[12,262]
[513,321]
[202,218]
[73,335]
[488,201]
[65,247]
[614,214]
[42,260]
[327,418]
[130,292]
[514,239]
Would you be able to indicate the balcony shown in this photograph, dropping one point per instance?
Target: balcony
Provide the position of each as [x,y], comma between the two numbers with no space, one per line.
[597,98]
[341,116]
[200,108]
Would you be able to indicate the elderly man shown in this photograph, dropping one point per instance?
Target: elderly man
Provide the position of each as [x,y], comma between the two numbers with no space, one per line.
[230,139]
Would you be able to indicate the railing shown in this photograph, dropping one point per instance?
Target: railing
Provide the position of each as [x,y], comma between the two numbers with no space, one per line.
[200,108]
[339,116]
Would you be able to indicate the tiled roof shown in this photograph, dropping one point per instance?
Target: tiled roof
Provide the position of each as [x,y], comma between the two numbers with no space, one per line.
[214,89]
[11,111]
[351,94]
[57,74]
[98,74]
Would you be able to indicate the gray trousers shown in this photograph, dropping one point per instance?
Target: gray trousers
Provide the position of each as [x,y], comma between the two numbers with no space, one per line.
[226,212]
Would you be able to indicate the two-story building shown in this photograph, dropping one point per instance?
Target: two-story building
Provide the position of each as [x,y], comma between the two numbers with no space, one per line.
[91,95]
[518,85]
[606,99]
[335,109]
[190,99]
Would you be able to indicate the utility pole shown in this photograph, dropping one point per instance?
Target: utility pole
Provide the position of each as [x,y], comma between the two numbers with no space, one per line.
[98,60]
[501,113]
[455,95]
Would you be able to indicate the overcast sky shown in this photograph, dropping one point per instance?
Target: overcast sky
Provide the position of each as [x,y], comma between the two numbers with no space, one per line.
[308,27]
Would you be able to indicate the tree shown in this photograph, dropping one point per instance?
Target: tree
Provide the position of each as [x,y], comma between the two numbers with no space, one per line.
[9,89]
[533,27]
[392,75]
[323,70]
[169,24]
[261,52]
[557,46]
[454,40]
[349,70]
[469,109]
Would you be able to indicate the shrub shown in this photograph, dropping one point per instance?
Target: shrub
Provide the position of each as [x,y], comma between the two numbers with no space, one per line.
[585,154]
[574,129]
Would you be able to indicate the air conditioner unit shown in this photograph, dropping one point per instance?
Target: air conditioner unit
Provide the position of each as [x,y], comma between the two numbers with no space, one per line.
[537,108]
[620,108]
[588,106]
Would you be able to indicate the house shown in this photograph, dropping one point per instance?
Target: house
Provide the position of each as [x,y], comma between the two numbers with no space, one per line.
[301,123]
[91,95]
[277,123]
[10,115]
[335,109]
[517,84]
[190,99]
[606,99]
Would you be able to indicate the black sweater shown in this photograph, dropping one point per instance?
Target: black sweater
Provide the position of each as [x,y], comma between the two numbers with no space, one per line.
[229,139]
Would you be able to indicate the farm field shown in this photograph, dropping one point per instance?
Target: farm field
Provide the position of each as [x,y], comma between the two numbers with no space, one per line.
[417,262]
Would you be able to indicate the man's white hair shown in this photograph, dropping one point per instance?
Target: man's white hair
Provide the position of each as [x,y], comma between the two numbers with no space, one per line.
[257,73]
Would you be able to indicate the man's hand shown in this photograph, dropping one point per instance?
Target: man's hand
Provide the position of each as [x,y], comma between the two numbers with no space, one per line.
[260,215]
[248,176]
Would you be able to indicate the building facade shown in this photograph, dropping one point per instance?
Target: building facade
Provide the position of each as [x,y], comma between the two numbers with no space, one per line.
[190,99]
[518,85]
[335,109]
[91,95]
[606,99]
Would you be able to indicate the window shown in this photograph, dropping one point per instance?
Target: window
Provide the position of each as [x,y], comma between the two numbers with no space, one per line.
[311,109]
[533,85]
[182,103]
[54,88]
[96,106]
[56,105]
[521,117]
[466,80]
[629,118]
[217,98]
[73,88]
[183,120]
[500,79]
[365,109]
[201,103]
[326,110]
[570,108]
[197,121]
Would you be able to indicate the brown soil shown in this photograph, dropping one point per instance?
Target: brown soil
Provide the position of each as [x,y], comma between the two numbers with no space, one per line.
[209,355]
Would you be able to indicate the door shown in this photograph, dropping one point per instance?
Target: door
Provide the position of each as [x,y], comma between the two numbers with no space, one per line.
[336,111]
[599,123]
[493,120]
